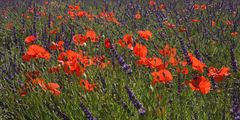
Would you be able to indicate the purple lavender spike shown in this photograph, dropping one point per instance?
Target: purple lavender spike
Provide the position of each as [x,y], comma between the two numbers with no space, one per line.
[57,37]
[58,112]
[233,60]
[179,83]
[197,54]
[49,20]
[14,35]
[121,61]
[87,112]
[23,22]
[103,81]
[135,102]
[44,32]
[124,65]
[34,19]
[235,110]
[214,85]
[184,51]
[62,28]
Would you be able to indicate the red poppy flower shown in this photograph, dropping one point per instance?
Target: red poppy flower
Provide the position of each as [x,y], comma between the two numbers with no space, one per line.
[128,38]
[140,50]
[155,62]
[196,7]
[203,7]
[79,39]
[162,76]
[195,21]
[145,34]
[30,39]
[70,61]
[59,17]
[201,84]
[138,16]
[184,70]
[54,69]
[91,35]
[152,3]
[71,14]
[142,61]
[173,61]
[53,32]
[218,75]
[81,14]
[107,43]
[121,43]
[89,87]
[34,52]
[234,34]
[169,25]
[52,87]
[213,23]
[182,29]
[196,64]
[162,6]
[57,46]
[168,51]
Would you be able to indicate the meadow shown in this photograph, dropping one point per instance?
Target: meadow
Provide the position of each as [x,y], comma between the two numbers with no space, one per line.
[119,59]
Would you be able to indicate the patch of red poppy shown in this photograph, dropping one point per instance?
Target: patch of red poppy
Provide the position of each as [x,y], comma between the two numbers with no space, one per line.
[218,75]
[145,34]
[30,39]
[161,76]
[88,87]
[140,50]
[34,52]
[201,84]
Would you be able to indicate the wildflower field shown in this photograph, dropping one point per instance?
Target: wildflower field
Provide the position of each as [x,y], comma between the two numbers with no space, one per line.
[119,59]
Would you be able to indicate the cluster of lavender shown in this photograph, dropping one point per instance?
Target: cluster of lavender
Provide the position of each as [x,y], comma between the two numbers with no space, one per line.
[179,83]
[185,52]
[135,102]
[119,100]
[58,112]
[87,112]
[235,110]
[233,60]
[126,68]
[197,54]
[103,81]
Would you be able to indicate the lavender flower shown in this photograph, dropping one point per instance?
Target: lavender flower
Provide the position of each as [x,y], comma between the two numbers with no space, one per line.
[58,112]
[87,112]
[125,107]
[44,32]
[62,28]
[235,110]
[121,61]
[179,83]
[197,54]
[135,102]
[233,60]
[34,19]
[124,65]
[103,81]
[185,53]
[213,83]
[14,35]
[49,20]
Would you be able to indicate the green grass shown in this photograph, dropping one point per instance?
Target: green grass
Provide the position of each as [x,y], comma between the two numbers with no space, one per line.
[162,102]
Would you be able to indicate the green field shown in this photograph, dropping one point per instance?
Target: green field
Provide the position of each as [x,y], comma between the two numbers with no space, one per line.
[116,59]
